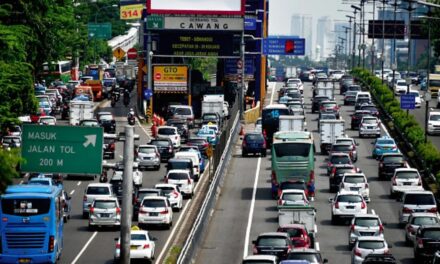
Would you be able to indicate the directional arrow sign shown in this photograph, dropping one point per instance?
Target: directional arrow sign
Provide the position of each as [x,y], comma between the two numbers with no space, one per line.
[62,149]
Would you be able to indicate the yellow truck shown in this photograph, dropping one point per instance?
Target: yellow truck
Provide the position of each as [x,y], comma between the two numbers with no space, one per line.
[434,84]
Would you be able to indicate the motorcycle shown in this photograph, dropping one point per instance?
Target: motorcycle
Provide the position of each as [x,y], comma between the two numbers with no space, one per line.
[126,98]
[131,120]
[65,111]
[113,102]
[103,178]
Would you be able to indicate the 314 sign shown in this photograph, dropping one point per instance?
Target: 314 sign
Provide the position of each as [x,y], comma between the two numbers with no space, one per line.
[131,11]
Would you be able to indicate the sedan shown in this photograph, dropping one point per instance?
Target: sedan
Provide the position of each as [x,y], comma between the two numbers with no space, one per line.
[298,234]
[384,145]
[364,225]
[254,143]
[345,148]
[367,245]
[389,162]
[142,245]
[350,98]
[400,87]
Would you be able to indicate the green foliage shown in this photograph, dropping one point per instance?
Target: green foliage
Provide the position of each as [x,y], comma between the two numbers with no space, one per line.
[206,66]
[8,162]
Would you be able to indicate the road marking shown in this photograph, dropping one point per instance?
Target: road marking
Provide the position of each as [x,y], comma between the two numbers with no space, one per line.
[164,248]
[273,92]
[85,247]
[373,212]
[144,130]
[78,184]
[384,128]
[315,227]
[317,246]
[72,192]
[251,211]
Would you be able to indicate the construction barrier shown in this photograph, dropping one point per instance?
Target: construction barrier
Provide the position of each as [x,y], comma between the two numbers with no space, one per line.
[251,115]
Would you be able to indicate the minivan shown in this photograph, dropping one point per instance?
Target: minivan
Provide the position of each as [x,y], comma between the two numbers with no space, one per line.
[181,164]
[416,202]
[195,160]
[184,112]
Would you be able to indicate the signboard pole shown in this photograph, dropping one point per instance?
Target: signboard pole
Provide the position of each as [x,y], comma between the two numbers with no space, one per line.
[241,83]
[149,68]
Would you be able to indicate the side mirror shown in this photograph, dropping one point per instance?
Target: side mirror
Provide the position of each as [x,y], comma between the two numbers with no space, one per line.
[254,242]
[390,246]
[330,200]
[116,239]
[325,261]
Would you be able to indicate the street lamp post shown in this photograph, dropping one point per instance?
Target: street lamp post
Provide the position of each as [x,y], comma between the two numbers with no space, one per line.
[356,8]
[372,45]
[383,37]
[353,29]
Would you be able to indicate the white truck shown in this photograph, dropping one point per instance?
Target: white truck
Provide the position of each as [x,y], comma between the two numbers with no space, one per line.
[305,215]
[213,103]
[80,110]
[329,130]
[292,123]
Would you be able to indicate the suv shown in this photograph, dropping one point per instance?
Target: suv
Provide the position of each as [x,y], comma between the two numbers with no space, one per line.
[416,202]
[316,101]
[182,127]
[367,245]
[105,212]
[349,141]
[155,210]
[357,117]
[379,259]
[328,106]
[344,148]
[417,220]
[370,125]
[140,194]
[364,225]
[337,159]
[389,162]
[405,179]
[169,132]
[94,191]
[253,142]
[148,156]
[433,123]
[311,255]
[427,242]
[356,182]
[165,147]
[273,243]
[184,112]
[347,205]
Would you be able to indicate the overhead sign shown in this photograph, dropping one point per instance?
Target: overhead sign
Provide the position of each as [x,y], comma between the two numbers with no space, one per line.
[132,53]
[170,78]
[99,30]
[196,7]
[407,101]
[396,29]
[155,22]
[119,53]
[131,11]
[250,24]
[62,149]
[204,23]
[284,46]
[230,70]
[198,44]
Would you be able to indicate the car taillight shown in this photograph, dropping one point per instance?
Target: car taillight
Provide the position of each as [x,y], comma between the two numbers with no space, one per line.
[381,228]
[420,182]
[254,250]
[112,146]
[357,252]
[394,147]
[118,245]
[332,174]
[386,251]
[363,205]
[205,145]
[85,198]
[164,211]
[165,180]
[420,242]
[243,143]
[352,228]
[280,202]
[189,181]
[146,246]
[51,243]
[92,210]
[289,247]
[381,165]
[175,194]
[406,210]
[393,181]
[433,210]
[264,143]
[337,205]
[142,211]
[264,133]
[118,210]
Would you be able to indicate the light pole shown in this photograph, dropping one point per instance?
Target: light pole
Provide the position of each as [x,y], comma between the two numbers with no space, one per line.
[383,36]
[409,9]
[352,28]
[394,63]
[356,8]
[372,45]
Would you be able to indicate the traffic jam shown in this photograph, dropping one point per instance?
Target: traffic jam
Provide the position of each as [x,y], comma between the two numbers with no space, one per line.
[294,148]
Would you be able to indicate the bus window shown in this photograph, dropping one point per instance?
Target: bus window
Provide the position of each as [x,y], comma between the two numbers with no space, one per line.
[292,149]
[25,207]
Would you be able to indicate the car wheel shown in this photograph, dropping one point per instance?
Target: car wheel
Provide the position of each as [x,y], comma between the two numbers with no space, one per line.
[112,156]
[85,215]
[243,154]
[158,167]
[360,135]
[407,241]
[91,228]
[334,220]
[65,219]
[374,155]
[263,153]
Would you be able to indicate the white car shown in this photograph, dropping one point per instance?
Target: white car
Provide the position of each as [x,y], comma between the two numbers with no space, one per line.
[416,220]
[171,133]
[405,179]
[293,197]
[369,126]
[416,202]
[259,124]
[182,179]
[225,109]
[296,81]
[257,259]
[400,87]
[434,123]
[367,245]
[142,245]
[155,210]
[172,192]
[364,225]
[418,99]
[47,120]
[346,205]
[356,182]
[137,176]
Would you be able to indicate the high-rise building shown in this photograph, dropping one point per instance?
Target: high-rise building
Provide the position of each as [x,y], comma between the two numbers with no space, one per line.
[301,25]
[324,36]
[296,25]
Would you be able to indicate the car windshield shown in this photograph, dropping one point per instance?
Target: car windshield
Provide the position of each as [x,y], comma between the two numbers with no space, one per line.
[369,108]
[142,237]
[177,176]
[349,199]
[292,197]
[401,83]
[105,117]
[153,203]
[98,190]
[434,118]
[328,117]
[39,182]
[271,242]
[424,220]
[407,175]
[393,159]
[340,159]
[147,150]
[166,189]
[182,111]
[340,171]
[354,179]
[419,199]
[344,141]
[369,121]
[143,194]
[161,143]
[292,149]
[371,244]
[432,234]
[292,185]
[90,123]
[104,204]
[364,221]
[254,137]
[338,148]
[310,257]
[166,131]
[354,88]
[329,105]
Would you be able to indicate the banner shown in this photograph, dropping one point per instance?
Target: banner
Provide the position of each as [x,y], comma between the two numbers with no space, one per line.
[131,11]
[170,78]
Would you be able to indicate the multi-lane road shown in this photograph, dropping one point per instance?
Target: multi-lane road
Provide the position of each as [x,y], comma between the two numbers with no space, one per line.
[246,209]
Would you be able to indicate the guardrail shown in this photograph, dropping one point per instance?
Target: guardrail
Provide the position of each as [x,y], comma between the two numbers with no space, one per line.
[251,115]
[221,157]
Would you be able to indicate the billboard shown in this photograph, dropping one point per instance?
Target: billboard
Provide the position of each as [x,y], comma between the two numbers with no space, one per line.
[170,78]
[196,7]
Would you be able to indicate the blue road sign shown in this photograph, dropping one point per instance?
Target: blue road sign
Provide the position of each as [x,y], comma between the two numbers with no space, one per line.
[407,101]
[284,46]
[148,93]
[250,24]
[231,66]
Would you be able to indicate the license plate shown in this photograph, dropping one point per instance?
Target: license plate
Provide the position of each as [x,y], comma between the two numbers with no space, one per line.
[154,214]
[419,210]
[407,183]
[133,247]
[350,207]
[24,260]
[253,145]
[354,188]
[105,215]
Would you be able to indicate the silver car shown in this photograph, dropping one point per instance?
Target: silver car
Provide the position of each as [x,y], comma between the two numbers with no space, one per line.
[148,156]
[369,126]
[367,245]
[416,220]
[364,225]
[105,212]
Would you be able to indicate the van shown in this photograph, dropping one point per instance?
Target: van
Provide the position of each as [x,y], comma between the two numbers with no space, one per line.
[363,95]
[416,202]
[184,112]
[181,164]
[195,160]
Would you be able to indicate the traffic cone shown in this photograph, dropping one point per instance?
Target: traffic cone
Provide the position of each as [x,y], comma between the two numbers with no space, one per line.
[241,131]
[162,121]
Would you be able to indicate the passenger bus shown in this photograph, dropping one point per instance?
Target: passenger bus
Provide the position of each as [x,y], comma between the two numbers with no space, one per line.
[293,158]
[60,70]
[31,230]
[270,119]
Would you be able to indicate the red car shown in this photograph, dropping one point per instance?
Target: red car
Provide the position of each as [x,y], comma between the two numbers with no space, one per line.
[36,116]
[298,235]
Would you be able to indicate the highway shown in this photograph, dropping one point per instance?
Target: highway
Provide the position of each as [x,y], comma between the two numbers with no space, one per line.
[245,207]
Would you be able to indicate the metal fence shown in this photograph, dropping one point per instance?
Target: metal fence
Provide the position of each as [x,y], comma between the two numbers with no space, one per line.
[221,155]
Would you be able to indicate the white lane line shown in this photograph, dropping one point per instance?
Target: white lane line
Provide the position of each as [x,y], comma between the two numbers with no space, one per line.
[144,130]
[317,246]
[71,192]
[164,248]
[251,211]
[384,128]
[85,247]
[78,184]
[373,212]
[315,228]
[272,91]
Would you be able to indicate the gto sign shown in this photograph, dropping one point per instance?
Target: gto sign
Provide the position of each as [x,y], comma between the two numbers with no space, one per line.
[204,23]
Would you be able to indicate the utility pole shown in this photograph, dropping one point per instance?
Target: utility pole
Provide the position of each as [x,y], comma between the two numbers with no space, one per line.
[383,37]
[241,84]
[349,63]
[409,9]
[372,45]
[428,70]
[394,63]
[126,214]
[363,32]
[150,70]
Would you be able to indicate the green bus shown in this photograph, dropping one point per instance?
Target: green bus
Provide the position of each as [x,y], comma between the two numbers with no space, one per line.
[59,70]
[293,158]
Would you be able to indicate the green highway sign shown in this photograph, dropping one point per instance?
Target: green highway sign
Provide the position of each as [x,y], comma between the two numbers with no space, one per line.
[99,30]
[155,22]
[62,149]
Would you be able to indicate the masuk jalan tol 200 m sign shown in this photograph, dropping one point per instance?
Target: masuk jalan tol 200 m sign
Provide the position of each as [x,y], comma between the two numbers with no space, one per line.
[170,78]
